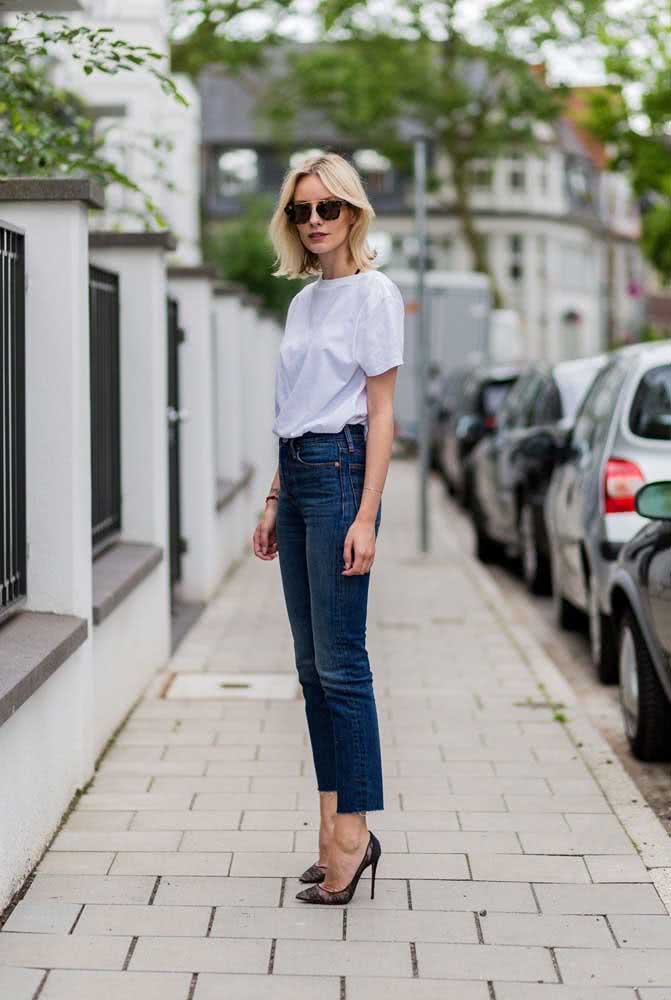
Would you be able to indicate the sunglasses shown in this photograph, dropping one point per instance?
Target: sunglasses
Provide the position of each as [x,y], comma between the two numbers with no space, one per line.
[327,209]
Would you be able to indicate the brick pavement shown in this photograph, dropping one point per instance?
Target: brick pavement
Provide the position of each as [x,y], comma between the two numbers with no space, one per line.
[509,869]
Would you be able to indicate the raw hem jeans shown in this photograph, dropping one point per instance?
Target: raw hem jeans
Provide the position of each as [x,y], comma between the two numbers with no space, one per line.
[321,483]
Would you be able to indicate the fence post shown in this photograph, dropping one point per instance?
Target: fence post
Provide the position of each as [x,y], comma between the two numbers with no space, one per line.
[58,450]
[192,287]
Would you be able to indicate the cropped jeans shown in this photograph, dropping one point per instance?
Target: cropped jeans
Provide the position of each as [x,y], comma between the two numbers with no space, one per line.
[321,484]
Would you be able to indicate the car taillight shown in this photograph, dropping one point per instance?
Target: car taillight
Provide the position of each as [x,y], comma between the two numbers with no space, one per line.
[490,422]
[622,481]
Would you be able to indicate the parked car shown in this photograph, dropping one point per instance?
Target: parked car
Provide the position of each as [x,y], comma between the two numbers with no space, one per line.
[472,400]
[640,600]
[511,467]
[621,439]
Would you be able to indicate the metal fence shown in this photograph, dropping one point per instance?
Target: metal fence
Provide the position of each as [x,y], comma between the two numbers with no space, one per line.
[105,408]
[175,338]
[12,421]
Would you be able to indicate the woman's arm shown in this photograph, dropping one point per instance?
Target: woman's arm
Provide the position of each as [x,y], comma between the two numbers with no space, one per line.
[379,441]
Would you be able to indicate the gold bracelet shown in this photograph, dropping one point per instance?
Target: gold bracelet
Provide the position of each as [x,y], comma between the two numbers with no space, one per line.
[373,489]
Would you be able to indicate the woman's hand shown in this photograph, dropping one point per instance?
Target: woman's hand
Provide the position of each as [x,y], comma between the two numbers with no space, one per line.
[265,536]
[359,548]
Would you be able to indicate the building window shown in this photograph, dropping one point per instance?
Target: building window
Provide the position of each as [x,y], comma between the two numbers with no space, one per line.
[517,176]
[238,172]
[482,176]
[516,264]
[376,170]
[298,158]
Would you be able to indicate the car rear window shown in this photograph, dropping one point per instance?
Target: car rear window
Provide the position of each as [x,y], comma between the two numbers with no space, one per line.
[650,415]
[493,395]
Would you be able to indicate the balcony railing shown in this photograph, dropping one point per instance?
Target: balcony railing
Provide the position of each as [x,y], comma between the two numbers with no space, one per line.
[12,422]
[105,408]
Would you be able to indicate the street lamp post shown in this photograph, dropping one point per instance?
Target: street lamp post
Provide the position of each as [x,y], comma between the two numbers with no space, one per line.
[422,373]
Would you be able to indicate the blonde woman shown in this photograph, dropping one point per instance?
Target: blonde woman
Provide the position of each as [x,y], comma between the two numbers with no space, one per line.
[334,389]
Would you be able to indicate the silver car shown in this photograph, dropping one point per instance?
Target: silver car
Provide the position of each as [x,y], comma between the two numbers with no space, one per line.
[621,439]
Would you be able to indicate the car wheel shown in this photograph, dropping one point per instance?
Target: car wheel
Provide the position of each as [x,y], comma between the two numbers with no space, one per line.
[566,615]
[602,643]
[486,549]
[645,707]
[534,565]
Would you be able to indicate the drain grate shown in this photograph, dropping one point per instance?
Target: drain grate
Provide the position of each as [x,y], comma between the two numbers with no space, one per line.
[204,685]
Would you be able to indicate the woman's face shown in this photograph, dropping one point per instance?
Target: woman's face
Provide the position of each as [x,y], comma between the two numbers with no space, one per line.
[321,236]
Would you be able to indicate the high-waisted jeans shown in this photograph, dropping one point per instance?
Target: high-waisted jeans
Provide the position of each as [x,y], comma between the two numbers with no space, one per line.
[321,483]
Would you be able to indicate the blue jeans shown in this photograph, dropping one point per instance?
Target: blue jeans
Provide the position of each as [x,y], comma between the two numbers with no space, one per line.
[321,483]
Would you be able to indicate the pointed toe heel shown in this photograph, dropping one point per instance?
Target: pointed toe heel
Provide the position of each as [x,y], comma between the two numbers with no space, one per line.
[316,894]
[315,873]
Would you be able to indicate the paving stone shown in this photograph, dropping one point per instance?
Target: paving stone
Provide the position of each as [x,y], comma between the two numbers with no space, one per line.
[141,800]
[518,821]
[118,840]
[617,868]
[205,800]
[558,803]
[367,988]
[254,768]
[178,954]
[343,958]
[172,863]
[186,819]
[74,984]
[604,842]
[620,967]
[222,987]
[418,802]
[90,889]
[55,951]
[237,840]
[120,784]
[312,923]
[527,991]
[204,786]
[191,921]
[506,896]
[217,891]
[76,862]
[641,931]
[599,899]
[527,868]
[463,842]
[484,961]
[42,918]
[19,984]
[82,819]
[549,930]
[410,925]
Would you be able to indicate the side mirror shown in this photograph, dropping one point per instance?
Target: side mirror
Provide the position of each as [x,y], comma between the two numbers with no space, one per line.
[469,430]
[654,501]
[540,447]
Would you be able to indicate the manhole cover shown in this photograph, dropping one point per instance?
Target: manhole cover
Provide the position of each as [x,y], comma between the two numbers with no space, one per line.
[210,685]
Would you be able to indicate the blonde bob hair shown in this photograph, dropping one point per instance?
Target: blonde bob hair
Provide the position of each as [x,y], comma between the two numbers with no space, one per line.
[294,260]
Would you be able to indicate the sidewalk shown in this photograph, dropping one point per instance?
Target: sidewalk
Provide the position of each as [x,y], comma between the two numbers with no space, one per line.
[509,871]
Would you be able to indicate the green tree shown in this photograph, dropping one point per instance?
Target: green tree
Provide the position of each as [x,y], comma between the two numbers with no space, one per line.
[367,74]
[241,251]
[48,131]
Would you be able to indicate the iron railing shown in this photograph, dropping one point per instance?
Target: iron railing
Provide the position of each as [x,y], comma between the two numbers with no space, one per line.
[13,554]
[105,408]
[175,416]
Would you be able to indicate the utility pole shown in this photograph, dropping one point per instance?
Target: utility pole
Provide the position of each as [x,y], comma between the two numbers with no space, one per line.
[423,421]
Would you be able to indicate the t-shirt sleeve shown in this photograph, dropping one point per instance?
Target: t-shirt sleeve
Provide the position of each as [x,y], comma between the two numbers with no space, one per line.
[378,342]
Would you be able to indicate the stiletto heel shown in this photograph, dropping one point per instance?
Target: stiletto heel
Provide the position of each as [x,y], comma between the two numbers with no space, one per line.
[317,894]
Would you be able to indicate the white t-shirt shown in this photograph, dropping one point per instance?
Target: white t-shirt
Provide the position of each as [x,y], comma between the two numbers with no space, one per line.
[337,331]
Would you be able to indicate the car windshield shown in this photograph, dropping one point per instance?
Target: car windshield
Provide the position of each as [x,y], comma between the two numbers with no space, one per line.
[650,415]
[493,395]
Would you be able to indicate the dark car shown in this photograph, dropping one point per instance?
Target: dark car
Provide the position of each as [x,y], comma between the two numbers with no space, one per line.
[641,609]
[472,398]
[511,467]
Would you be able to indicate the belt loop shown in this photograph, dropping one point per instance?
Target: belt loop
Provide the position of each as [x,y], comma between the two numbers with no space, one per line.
[348,438]
[292,449]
